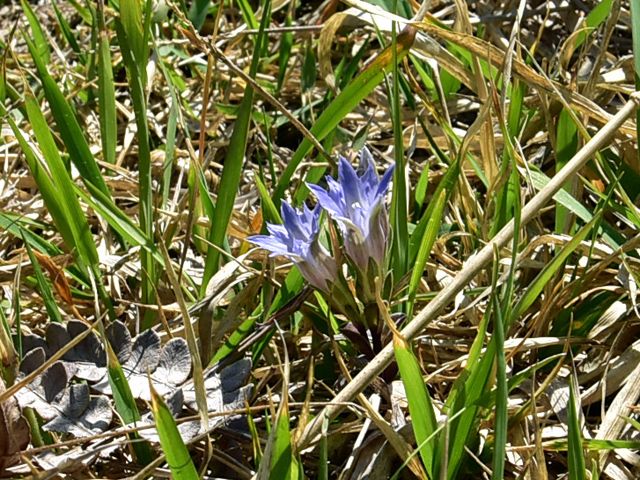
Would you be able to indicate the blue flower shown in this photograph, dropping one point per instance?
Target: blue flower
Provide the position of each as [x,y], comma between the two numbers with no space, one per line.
[357,203]
[297,239]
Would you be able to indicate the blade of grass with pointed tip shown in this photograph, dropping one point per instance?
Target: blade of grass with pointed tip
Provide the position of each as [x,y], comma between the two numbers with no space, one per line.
[595,18]
[423,416]
[39,39]
[175,451]
[69,204]
[15,225]
[234,160]
[125,404]
[610,234]
[575,452]
[50,194]
[106,93]
[68,126]
[428,240]
[44,287]
[172,123]
[282,460]
[68,35]
[269,209]
[343,104]
[398,211]
[446,186]
[120,222]
[134,53]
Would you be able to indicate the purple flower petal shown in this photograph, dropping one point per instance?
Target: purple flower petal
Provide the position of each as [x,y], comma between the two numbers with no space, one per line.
[356,202]
[297,239]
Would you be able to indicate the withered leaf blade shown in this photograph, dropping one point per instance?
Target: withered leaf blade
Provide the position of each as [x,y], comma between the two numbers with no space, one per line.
[169,365]
[14,431]
[86,360]
[81,415]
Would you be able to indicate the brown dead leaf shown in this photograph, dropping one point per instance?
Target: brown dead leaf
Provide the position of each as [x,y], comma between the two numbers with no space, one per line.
[14,431]
[57,276]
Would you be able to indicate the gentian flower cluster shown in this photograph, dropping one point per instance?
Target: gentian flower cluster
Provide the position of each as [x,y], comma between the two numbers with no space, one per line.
[356,202]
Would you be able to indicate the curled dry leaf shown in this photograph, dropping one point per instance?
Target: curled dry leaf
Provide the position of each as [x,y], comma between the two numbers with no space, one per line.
[66,408]
[14,431]
[169,365]
[86,361]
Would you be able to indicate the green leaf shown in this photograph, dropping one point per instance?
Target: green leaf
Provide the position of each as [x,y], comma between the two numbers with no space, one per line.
[68,126]
[232,171]
[282,461]
[176,452]
[577,467]
[423,416]
[106,93]
[428,240]
[44,287]
[133,46]
[596,17]
[40,41]
[125,403]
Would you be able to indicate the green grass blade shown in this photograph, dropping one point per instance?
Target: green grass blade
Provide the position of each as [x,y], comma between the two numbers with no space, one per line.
[75,218]
[132,22]
[595,18]
[40,41]
[566,147]
[502,392]
[344,103]
[120,222]
[282,460]
[198,12]
[176,452]
[291,286]
[232,171]
[50,194]
[44,287]
[134,53]
[426,244]
[65,28]
[575,453]
[247,14]
[68,126]
[446,187]
[423,416]
[106,93]
[610,235]
[269,209]
[125,404]
[398,211]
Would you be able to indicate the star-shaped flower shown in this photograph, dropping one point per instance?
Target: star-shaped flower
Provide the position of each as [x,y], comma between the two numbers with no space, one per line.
[357,203]
[297,239]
